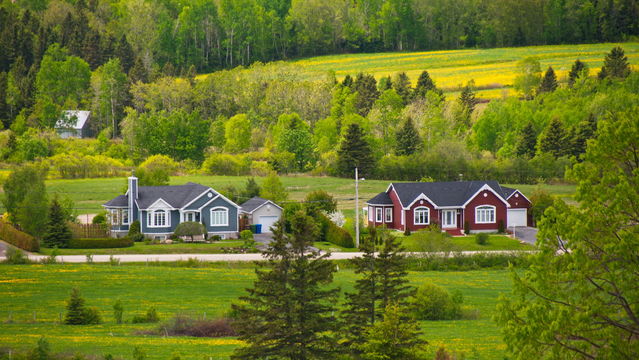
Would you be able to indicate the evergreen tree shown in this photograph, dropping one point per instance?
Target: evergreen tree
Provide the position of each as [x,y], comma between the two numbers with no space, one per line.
[408,140]
[288,311]
[549,81]
[392,275]
[467,98]
[584,131]
[92,51]
[251,189]
[124,52]
[553,139]
[578,70]
[355,152]
[348,81]
[57,232]
[366,87]
[527,141]
[425,84]
[138,72]
[615,65]
[402,87]
[385,83]
[77,313]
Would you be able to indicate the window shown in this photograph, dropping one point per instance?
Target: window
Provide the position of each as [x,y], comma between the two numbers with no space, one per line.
[219,216]
[378,215]
[421,216]
[389,214]
[485,214]
[189,216]
[449,218]
[157,218]
[125,216]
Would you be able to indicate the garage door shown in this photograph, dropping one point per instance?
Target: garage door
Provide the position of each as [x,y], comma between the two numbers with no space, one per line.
[267,222]
[517,217]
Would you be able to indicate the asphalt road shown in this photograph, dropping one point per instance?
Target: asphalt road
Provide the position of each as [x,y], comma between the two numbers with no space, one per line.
[527,234]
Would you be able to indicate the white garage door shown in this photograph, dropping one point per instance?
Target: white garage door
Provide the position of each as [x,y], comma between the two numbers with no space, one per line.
[517,217]
[267,222]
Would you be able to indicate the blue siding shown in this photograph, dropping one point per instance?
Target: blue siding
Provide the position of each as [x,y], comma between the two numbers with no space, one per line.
[175,220]
[200,201]
[233,216]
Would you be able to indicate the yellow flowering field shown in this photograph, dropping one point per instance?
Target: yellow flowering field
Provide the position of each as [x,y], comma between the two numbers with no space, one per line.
[32,300]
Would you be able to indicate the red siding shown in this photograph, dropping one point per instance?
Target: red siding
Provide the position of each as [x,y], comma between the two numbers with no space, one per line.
[397,210]
[518,202]
[479,200]
[433,215]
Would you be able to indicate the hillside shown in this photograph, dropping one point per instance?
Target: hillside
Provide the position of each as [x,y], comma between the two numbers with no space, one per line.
[492,69]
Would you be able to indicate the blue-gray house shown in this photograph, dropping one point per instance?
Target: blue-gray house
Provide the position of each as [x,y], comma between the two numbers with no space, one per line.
[161,208]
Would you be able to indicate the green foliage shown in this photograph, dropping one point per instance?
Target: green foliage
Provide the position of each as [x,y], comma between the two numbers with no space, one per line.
[289,296]
[529,77]
[425,84]
[237,133]
[365,87]
[15,256]
[42,351]
[615,65]
[481,238]
[25,198]
[401,85]
[251,189]
[110,93]
[549,81]
[57,232]
[408,141]
[432,302]
[190,228]
[99,219]
[582,296]
[118,311]
[355,152]
[292,135]
[77,313]
[18,238]
[107,243]
[273,189]
[155,170]
[320,200]
[249,240]
[541,200]
[527,142]
[151,316]
[226,164]
[135,231]
[579,70]
[553,139]
[337,235]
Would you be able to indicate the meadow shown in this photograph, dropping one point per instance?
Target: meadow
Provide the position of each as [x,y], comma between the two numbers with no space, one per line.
[33,298]
[492,69]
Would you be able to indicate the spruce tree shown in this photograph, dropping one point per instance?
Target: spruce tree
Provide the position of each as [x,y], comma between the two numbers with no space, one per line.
[578,70]
[584,131]
[385,83]
[408,140]
[615,65]
[553,139]
[57,232]
[251,189]
[355,152]
[92,51]
[425,84]
[288,313]
[527,141]
[77,313]
[467,97]
[549,82]
[392,274]
[348,81]
[366,87]
[124,52]
[138,72]
[402,87]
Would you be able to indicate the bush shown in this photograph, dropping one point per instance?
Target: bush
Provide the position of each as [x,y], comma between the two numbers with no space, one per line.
[106,243]
[433,241]
[135,233]
[432,302]
[76,166]
[466,227]
[500,227]
[15,257]
[99,219]
[226,164]
[78,314]
[249,241]
[337,235]
[435,262]
[182,325]
[18,238]
[190,229]
[481,238]
[155,170]
[151,316]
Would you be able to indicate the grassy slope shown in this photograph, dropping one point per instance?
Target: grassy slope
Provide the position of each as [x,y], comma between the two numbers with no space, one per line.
[490,68]
[44,289]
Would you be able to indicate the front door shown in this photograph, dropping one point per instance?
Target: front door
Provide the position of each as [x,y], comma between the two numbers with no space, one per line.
[449,218]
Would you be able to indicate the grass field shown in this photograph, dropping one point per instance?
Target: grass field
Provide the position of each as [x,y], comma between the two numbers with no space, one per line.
[41,291]
[141,248]
[492,69]
[467,243]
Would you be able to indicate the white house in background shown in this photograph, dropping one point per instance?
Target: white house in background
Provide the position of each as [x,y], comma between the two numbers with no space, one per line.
[74,124]
[261,212]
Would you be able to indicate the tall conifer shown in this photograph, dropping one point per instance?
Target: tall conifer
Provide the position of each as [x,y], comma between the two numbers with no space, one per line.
[615,64]
[553,139]
[549,82]
[355,152]
[578,70]
[527,141]
[408,140]
[366,87]
[402,87]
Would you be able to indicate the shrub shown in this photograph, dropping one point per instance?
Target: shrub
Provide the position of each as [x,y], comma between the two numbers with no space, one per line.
[500,227]
[190,229]
[432,302]
[481,238]
[435,262]
[226,164]
[182,325]
[466,227]
[155,170]
[433,241]
[216,238]
[78,314]
[337,235]
[118,311]
[106,243]
[99,219]
[18,238]
[15,257]
[249,240]
[320,200]
[135,233]
[74,166]
[151,316]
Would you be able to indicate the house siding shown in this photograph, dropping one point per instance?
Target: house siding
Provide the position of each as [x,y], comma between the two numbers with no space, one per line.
[479,200]
[433,215]
[232,216]
[397,210]
[175,220]
[203,199]
[519,202]
[266,210]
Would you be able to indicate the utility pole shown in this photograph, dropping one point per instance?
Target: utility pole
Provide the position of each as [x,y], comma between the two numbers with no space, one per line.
[356,208]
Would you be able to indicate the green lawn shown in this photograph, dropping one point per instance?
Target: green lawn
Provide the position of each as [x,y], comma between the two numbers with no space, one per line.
[41,291]
[141,248]
[467,243]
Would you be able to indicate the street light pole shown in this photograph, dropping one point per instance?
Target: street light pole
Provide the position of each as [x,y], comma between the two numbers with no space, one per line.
[356,209]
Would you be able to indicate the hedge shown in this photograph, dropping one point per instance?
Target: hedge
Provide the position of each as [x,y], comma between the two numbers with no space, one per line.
[18,238]
[335,234]
[106,243]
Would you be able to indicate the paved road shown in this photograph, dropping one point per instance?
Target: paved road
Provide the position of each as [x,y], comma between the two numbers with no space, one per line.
[141,258]
[527,234]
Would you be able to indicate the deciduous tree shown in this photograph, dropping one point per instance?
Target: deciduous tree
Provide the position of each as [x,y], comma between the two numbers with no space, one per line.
[273,189]
[528,78]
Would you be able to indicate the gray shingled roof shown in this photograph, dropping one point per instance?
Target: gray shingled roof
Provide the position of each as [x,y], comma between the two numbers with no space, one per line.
[508,191]
[176,195]
[118,201]
[452,193]
[381,199]
[253,203]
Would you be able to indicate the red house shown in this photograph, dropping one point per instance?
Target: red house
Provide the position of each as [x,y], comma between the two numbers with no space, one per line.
[482,204]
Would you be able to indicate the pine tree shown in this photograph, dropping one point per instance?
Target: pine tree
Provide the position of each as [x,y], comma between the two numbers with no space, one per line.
[138,72]
[549,82]
[75,309]
[366,87]
[288,311]
[553,139]
[251,189]
[92,51]
[615,65]
[578,70]
[584,131]
[402,87]
[124,52]
[408,140]
[392,275]
[57,231]
[467,98]
[355,152]
[385,83]
[348,81]
[527,141]
[425,84]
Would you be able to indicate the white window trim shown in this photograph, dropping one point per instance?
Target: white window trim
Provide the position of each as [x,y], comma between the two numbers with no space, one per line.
[421,209]
[150,219]
[218,208]
[379,215]
[454,218]
[482,208]
[370,213]
[128,221]
[388,215]
[185,213]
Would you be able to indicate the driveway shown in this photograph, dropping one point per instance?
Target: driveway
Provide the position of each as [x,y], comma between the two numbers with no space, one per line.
[527,234]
